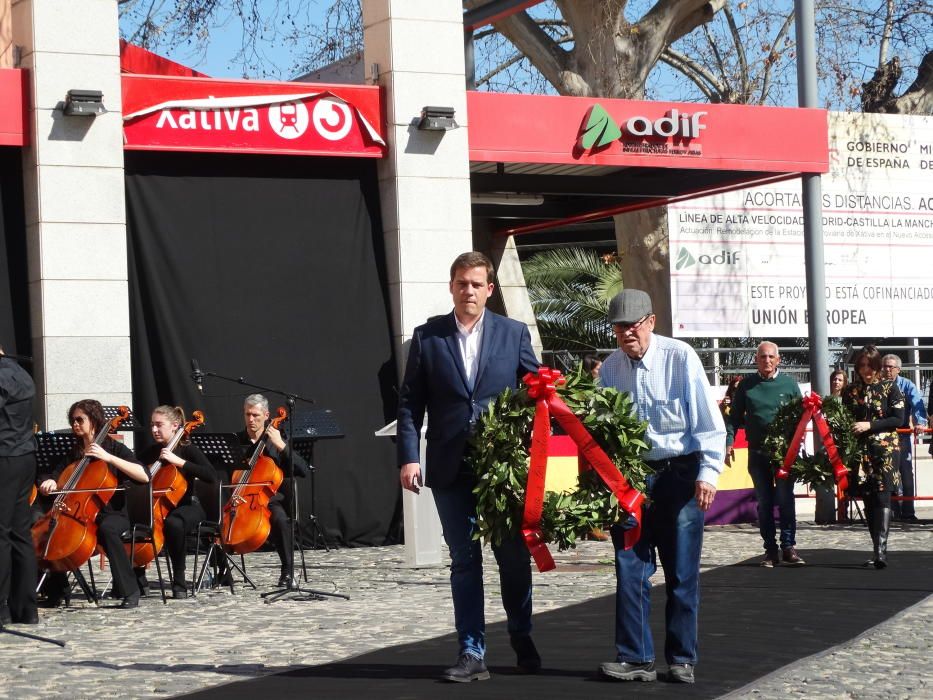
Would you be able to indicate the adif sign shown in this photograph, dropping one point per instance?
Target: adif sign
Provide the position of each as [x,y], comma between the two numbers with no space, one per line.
[673,124]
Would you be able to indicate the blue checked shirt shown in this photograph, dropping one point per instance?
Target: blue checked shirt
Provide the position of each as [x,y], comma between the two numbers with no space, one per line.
[670,391]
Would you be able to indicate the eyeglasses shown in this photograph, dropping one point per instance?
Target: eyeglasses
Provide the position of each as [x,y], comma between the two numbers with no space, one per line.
[631,326]
[889,367]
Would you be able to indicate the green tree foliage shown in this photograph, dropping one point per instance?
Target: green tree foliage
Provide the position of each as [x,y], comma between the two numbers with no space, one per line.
[570,289]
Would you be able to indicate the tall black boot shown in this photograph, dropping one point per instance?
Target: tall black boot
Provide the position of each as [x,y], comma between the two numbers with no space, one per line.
[882,527]
[872,531]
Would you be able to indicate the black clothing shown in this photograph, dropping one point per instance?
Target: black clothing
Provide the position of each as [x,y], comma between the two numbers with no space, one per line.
[189,512]
[196,465]
[17,556]
[281,533]
[17,477]
[111,521]
[16,425]
[111,446]
[177,525]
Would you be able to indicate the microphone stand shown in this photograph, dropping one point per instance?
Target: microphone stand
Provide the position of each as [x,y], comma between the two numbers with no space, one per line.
[290,398]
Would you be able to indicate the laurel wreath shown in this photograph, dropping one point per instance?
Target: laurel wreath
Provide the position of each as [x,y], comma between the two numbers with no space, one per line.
[813,470]
[499,450]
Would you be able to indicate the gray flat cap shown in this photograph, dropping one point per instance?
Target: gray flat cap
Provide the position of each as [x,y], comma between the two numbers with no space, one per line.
[629,305]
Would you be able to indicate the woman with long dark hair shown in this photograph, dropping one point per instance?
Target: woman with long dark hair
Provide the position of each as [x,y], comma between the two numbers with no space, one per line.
[86,418]
[878,407]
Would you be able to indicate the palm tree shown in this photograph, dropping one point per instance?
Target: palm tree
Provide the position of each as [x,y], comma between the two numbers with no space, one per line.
[570,289]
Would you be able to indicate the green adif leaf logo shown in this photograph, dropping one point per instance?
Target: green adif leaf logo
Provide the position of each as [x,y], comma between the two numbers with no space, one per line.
[684,259]
[600,129]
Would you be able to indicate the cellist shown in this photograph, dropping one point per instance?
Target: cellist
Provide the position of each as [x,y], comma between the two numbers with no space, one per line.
[164,423]
[256,419]
[86,418]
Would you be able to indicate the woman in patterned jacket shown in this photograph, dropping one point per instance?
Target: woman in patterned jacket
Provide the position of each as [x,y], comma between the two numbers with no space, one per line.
[878,407]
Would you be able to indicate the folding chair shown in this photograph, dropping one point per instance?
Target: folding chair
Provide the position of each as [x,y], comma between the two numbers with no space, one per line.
[209,531]
[139,500]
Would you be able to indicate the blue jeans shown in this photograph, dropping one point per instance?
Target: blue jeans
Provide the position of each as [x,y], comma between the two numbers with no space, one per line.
[905,464]
[672,524]
[456,507]
[769,492]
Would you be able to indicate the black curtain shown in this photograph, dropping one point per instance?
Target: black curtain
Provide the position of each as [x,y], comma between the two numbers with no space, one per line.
[15,335]
[272,269]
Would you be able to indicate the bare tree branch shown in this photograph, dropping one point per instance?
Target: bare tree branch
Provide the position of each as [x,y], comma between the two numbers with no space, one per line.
[711,88]
[771,63]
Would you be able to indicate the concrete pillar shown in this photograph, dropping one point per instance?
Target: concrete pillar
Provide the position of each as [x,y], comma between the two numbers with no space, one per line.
[415,51]
[511,279]
[75,210]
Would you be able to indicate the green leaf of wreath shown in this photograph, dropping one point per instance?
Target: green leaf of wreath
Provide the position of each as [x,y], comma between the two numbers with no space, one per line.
[498,455]
[813,470]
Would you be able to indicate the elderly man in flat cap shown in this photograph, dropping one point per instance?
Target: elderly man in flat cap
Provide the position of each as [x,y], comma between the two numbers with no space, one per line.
[687,438]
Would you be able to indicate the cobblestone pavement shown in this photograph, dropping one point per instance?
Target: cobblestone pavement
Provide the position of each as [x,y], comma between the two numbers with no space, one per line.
[163,650]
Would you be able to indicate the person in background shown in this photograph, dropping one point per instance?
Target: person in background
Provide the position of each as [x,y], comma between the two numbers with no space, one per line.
[163,424]
[17,477]
[878,407]
[917,414]
[725,406]
[86,418]
[591,365]
[756,403]
[838,381]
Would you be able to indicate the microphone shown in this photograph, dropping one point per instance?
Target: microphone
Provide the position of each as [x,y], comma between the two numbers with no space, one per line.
[197,375]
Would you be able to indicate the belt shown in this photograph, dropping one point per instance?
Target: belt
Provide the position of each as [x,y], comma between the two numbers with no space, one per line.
[660,465]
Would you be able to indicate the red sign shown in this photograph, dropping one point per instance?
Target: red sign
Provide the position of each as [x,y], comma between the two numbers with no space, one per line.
[507,128]
[164,113]
[13,131]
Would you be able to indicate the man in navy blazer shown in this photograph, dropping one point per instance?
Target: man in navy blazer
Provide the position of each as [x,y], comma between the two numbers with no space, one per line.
[457,364]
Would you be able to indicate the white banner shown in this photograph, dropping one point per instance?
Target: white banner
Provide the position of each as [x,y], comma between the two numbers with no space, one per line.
[737,259]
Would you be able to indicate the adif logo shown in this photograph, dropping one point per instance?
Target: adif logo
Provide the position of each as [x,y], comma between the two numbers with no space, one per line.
[684,259]
[289,119]
[599,129]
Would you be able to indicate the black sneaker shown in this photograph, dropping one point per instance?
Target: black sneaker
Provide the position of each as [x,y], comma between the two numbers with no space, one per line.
[681,673]
[179,590]
[626,671]
[527,658]
[468,668]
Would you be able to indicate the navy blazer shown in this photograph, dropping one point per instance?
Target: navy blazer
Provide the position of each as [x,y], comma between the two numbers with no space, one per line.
[435,381]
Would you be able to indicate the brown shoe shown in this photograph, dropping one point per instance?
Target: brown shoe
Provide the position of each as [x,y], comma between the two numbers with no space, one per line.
[771,560]
[791,558]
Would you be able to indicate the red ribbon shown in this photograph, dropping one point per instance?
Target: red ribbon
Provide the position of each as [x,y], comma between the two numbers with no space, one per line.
[813,410]
[542,387]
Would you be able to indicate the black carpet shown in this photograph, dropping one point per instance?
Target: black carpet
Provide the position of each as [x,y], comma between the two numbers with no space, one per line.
[752,622]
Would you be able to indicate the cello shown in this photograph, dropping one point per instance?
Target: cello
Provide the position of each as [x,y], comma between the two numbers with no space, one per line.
[168,488]
[66,536]
[246,517]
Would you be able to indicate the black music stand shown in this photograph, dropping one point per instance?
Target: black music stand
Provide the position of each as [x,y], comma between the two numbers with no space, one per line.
[311,426]
[305,429]
[129,423]
[53,449]
[224,451]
